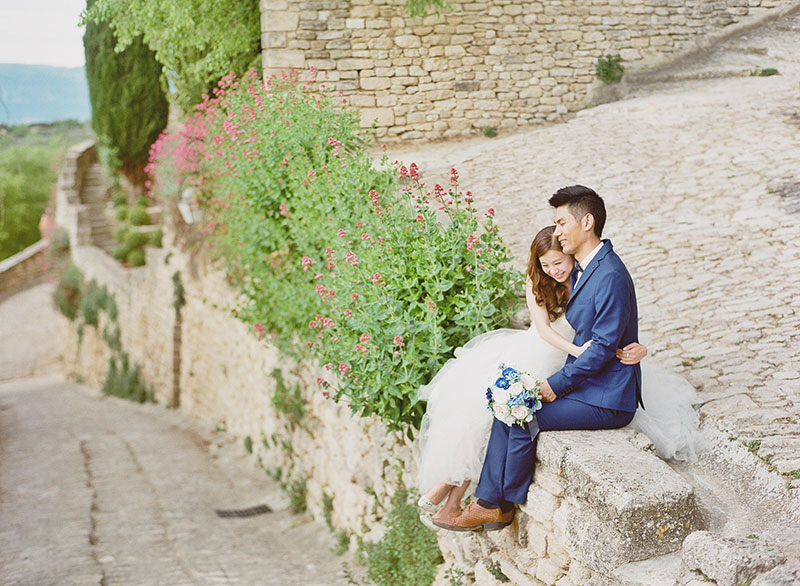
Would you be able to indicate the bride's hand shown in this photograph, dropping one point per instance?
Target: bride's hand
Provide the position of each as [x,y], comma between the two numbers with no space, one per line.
[582,349]
[631,354]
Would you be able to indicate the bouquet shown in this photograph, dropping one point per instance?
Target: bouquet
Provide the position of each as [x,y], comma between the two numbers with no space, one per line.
[514,397]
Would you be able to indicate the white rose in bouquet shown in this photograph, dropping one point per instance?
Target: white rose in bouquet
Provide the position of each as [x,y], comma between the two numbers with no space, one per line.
[502,411]
[515,389]
[528,382]
[520,413]
[501,396]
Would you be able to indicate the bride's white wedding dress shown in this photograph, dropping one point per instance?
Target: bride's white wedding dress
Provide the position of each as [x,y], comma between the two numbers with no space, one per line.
[456,425]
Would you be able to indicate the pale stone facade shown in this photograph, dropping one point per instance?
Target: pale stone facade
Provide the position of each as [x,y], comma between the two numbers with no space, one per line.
[488,63]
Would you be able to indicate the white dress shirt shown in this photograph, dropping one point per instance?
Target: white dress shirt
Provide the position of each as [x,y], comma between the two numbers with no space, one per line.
[587,259]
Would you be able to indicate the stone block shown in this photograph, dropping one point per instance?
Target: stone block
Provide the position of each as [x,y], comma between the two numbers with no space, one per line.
[623,504]
[383,116]
[355,64]
[407,41]
[540,504]
[354,23]
[284,59]
[279,20]
[375,83]
[548,572]
[786,575]
[730,561]
[658,571]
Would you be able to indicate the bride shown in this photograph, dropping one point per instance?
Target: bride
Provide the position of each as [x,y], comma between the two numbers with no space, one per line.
[456,426]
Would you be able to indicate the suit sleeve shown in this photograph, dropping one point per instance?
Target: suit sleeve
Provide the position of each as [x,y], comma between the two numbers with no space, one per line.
[613,302]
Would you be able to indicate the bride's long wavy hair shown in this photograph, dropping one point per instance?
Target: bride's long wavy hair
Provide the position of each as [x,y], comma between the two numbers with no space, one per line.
[547,291]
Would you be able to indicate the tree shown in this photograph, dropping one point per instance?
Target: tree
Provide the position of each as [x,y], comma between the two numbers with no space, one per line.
[129,105]
[26,178]
[196,42]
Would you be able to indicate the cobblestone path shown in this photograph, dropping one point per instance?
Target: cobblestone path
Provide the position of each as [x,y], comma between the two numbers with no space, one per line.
[702,184]
[95,490]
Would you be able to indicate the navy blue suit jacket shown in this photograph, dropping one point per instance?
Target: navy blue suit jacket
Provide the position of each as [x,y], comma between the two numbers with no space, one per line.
[602,308]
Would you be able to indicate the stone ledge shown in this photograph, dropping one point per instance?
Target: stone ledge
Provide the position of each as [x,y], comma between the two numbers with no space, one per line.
[622,503]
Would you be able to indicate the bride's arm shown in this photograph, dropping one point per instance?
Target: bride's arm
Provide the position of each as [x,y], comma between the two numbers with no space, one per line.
[541,319]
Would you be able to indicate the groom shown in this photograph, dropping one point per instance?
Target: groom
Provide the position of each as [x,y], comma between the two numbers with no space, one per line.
[593,391]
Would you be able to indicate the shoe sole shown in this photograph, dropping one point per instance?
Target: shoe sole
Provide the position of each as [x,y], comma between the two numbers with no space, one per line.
[482,527]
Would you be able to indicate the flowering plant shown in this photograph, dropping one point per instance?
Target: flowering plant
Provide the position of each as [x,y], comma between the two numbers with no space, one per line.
[357,266]
[514,397]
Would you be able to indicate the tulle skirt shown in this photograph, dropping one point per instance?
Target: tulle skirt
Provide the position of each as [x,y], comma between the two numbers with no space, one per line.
[455,428]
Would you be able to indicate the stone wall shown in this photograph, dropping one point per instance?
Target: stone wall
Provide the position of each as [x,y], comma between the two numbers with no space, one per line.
[599,501]
[24,267]
[487,63]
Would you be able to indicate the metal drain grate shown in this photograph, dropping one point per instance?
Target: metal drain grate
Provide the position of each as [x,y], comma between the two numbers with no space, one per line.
[240,513]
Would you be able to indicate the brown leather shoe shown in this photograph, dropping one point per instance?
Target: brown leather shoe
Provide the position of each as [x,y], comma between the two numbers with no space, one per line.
[477,518]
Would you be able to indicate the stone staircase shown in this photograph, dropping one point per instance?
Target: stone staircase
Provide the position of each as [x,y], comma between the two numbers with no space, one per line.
[93,194]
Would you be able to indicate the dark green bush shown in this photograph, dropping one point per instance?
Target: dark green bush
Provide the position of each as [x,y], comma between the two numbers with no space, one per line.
[120,252]
[408,554]
[94,300]
[142,201]
[136,258]
[138,216]
[609,69]
[134,239]
[157,237]
[125,382]
[119,200]
[68,291]
[120,233]
[121,213]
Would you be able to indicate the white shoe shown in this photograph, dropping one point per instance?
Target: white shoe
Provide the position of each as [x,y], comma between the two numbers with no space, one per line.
[426,505]
[427,520]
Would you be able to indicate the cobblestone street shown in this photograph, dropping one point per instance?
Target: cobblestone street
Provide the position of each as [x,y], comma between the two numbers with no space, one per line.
[701,179]
[96,490]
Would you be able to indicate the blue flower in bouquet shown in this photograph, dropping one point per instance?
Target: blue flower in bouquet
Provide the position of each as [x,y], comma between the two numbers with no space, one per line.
[514,397]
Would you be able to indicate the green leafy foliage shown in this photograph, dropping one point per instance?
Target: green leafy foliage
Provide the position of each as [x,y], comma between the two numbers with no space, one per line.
[426,7]
[408,553]
[288,400]
[138,216]
[156,237]
[94,300]
[354,265]
[68,292]
[125,381]
[26,179]
[129,106]
[136,258]
[195,42]
[609,69]
[765,72]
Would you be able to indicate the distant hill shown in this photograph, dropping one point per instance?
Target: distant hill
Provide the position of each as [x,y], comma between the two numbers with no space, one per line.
[41,93]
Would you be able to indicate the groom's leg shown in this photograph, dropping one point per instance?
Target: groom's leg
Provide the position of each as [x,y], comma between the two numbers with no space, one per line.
[562,414]
[490,485]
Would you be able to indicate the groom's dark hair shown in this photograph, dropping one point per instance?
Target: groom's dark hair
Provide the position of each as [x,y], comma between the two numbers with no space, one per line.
[581,201]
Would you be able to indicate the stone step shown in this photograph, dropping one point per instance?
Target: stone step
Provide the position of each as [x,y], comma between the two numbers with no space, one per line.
[622,503]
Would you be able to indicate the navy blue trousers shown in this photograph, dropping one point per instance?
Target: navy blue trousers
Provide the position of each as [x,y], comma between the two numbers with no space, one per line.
[510,456]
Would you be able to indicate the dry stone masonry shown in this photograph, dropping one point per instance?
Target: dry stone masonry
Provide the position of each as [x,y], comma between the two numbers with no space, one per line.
[487,64]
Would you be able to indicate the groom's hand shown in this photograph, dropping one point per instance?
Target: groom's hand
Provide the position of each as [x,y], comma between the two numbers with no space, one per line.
[548,396]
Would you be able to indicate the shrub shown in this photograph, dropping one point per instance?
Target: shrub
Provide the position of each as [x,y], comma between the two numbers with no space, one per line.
[121,213]
[120,233]
[156,237]
[135,258]
[288,400]
[120,252]
[68,291]
[142,201]
[765,72]
[135,239]
[138,216]
[408,553]
[119,200]
[94,300]
[609,69]
[124,381]
[356,266]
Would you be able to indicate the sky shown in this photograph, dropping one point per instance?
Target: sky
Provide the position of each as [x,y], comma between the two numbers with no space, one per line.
[41,32]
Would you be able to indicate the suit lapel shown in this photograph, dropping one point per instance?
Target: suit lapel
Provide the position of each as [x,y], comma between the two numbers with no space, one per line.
[587,273]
